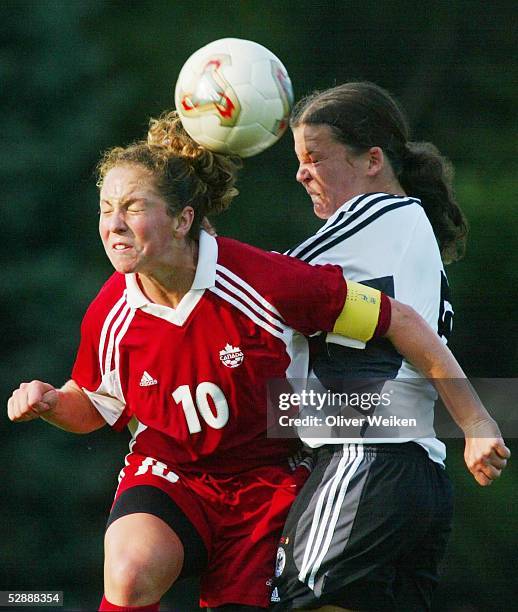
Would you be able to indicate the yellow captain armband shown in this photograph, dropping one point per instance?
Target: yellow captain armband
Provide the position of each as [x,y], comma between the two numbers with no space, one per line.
[360,314]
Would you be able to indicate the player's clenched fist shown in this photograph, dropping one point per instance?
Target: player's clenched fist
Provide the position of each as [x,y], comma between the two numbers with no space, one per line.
[31,400]
[486,458]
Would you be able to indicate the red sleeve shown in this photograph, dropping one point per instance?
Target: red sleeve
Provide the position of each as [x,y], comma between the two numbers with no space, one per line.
[309,298]
[321,292]
[87,371]
[385,316]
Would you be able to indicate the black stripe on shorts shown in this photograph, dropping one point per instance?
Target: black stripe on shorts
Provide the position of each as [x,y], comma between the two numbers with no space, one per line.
[149,499]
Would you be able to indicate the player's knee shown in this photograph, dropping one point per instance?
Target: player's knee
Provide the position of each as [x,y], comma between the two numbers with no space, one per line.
[130,582]
[143,559]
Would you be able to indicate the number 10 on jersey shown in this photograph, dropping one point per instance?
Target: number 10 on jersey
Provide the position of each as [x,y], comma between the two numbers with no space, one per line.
[199,406]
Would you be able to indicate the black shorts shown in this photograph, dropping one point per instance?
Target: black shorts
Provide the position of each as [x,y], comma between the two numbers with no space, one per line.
[367,532]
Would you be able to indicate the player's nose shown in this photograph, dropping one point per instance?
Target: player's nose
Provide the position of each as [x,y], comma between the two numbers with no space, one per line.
[118,222]
[302,173]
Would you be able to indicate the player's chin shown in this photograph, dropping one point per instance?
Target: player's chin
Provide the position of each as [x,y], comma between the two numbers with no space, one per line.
[123,266]
[321,209]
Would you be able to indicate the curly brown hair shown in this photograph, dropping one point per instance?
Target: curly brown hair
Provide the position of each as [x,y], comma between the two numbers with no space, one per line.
[186,173]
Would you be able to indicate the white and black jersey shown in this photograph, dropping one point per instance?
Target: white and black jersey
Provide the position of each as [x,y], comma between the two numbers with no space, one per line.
[386,242]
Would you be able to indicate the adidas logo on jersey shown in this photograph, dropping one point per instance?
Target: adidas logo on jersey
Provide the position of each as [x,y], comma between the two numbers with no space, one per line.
[147,380]
[231,356]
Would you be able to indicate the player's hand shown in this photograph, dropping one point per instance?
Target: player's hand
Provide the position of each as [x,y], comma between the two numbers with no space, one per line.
[31,400]
[486,456]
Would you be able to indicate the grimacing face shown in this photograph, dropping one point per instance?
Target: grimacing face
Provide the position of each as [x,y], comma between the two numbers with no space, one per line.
[135,228]
[328,170]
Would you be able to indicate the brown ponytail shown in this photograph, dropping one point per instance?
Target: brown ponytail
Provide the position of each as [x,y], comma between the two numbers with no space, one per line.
[427,175]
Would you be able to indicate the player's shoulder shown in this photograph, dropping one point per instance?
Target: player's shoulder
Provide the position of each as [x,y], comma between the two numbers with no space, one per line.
[366,217]
[111,290]
[372,212]
[110,294]
[305,297]
[380,200]
[266,271]
[381,212]
[243,258]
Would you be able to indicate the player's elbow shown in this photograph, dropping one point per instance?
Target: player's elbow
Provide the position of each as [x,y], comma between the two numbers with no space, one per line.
[89,425]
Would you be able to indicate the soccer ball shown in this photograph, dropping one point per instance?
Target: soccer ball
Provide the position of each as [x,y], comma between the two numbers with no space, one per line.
[234,96]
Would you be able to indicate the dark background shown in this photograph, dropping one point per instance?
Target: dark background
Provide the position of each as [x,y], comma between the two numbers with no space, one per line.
[79,76]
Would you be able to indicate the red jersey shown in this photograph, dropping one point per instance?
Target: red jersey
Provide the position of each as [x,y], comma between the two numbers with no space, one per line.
[195,376]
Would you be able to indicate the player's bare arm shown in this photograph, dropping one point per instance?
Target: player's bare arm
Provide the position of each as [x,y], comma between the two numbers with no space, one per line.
[68,407]
[485,454]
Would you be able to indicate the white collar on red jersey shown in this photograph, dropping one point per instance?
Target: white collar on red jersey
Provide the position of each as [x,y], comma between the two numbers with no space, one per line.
[204,278]
[207,258]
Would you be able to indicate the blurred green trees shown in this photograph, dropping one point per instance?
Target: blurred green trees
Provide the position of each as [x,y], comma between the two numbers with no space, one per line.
[81,75]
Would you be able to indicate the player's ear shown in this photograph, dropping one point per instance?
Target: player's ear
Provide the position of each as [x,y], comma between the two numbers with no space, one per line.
[183,222]
[375,161]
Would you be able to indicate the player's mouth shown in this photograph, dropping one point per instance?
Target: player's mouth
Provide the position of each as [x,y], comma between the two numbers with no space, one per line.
[311,192]
[120,247]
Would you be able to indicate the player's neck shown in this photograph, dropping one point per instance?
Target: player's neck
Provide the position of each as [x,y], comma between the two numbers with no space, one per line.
[168,285]
[386,183]
[165,293]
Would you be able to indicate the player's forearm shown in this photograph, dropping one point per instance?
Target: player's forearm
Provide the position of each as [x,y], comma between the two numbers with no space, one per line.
[73,411]
[416,341]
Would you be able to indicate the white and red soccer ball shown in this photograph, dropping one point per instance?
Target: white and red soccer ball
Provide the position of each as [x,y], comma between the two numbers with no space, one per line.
[234,96]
